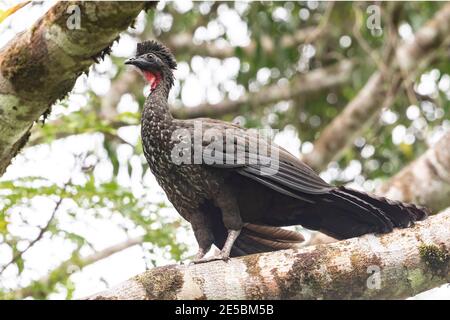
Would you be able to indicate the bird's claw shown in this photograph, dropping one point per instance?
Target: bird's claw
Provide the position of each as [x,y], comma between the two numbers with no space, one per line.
[216,257]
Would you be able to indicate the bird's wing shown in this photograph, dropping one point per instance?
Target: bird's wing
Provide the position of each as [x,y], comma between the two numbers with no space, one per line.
[266,163]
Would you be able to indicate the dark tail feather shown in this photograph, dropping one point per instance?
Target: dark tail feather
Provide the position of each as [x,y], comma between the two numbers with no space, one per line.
[362,211]
[259,238]
[390,213]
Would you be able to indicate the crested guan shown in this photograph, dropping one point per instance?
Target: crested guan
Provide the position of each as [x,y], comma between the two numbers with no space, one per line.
[240,205]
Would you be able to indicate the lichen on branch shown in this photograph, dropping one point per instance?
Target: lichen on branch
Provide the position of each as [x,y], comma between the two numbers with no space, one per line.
[41,65]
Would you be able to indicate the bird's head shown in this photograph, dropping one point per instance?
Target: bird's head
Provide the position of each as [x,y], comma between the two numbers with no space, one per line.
[156,63]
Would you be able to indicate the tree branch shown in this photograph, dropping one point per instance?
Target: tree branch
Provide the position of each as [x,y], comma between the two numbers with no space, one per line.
[183,43]
[41,233]
[42,64]
[426,181]
[406,262]
[315,80]
[39,288]
[379,91]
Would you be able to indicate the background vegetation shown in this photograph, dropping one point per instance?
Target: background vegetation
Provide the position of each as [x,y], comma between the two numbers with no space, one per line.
[79,209]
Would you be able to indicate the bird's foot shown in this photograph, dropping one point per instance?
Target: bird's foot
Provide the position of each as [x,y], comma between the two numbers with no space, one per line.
[224,254]
[220,256]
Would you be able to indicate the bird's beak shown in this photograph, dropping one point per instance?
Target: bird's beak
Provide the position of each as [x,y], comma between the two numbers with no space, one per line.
[129,61]
[139,62]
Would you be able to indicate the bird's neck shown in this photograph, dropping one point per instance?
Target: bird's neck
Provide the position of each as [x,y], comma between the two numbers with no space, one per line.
[156,108]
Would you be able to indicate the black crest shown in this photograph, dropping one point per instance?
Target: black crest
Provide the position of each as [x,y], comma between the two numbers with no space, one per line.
[160,50]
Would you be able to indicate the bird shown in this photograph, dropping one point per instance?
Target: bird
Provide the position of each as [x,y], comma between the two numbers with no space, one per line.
[237,188]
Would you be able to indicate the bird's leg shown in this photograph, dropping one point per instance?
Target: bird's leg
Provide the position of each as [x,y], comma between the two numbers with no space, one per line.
[224,254]
[232,221]
[203,235]
[231,238]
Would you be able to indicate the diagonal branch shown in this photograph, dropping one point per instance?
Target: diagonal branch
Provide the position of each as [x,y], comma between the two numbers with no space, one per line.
[40,66]
[392,266]
[380,90]
[426,181]
[66,268]
[41,233]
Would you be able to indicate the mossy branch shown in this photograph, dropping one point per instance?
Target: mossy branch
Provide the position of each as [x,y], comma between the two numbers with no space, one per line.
[397,265]
[41,65]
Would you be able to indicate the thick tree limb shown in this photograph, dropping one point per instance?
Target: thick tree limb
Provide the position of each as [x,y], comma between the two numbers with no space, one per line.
[426,181]
[406,262]
[379,91]
[41,65]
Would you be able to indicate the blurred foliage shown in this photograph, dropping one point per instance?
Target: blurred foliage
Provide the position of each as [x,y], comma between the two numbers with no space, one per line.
[376,152]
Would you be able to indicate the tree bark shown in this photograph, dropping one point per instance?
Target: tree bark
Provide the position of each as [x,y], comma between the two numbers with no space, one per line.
[379,91]
[426,181]
[391,266]
[41,65]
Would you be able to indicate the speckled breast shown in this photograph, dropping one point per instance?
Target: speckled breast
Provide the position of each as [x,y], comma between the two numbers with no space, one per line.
[186,185]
